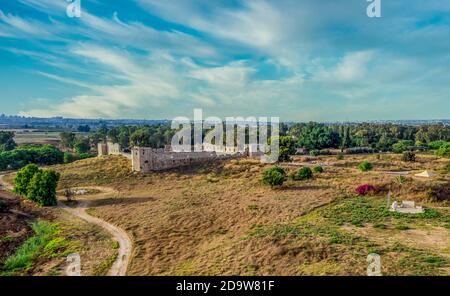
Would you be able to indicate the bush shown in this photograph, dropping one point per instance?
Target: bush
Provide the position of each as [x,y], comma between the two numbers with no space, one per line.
[444,150]
[318,169]
[340,156]
[68,157]
[408,156]
[365,166]
[435,145]
[274,176]
[365,189]
[86,155]
[314,152]
[23,178]
[303,174]
[402,145]
[42,188]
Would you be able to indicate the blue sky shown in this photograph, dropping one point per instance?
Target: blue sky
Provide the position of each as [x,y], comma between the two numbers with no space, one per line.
[299,60]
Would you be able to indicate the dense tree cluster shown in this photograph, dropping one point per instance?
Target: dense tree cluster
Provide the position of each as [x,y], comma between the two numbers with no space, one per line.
[23,155]
[381,137]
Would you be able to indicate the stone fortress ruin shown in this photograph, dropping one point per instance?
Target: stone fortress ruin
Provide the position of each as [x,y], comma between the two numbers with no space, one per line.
[145,159]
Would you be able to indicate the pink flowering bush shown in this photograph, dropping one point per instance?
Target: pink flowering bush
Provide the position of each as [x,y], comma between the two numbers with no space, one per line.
[365,189]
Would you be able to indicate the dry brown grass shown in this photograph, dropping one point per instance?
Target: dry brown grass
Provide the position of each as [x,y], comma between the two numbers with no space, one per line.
[197,220]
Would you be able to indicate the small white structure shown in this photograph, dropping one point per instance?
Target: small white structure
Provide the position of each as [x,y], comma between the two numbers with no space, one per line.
[406,207]
[425,174]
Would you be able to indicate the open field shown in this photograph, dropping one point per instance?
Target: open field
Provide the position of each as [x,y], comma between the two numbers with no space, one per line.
[218,218]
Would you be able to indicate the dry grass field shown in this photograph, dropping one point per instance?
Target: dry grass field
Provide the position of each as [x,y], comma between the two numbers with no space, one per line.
[219,219]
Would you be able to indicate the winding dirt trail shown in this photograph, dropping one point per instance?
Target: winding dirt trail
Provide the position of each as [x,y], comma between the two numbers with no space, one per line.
[120,265]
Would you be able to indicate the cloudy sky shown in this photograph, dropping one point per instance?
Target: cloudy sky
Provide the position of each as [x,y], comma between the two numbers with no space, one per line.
[322,60]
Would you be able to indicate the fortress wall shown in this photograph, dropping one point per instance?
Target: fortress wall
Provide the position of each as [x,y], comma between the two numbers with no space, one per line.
[148,159]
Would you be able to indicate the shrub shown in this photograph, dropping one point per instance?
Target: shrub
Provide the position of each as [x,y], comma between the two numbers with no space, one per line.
[304,173]
[42,188]
[435,145]
[365,166]
[408,156]
[365,189]
[23,178]
[68,157]
[274,176]
[400,180]
[340,156]
[20,157]
[402,146]
[318,169]
[86,155]
[314,152]
[444,150]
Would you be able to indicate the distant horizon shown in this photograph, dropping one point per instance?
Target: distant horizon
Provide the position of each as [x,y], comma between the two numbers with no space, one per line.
[442,120]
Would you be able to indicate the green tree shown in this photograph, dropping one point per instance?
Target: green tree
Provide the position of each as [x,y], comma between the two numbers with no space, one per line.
[402,145]
[286,147]
[444,150]
[23,178]
[82,145]
[42,188]
[84,128]
[318,136]
[141,138]
[67,139]
[7,141]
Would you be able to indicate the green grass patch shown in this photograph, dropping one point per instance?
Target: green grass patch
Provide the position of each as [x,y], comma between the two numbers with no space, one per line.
[45,243]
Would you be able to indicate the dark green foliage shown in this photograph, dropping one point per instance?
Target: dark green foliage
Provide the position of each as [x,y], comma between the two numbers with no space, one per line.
[85,155]
[23,179]
[365,166]
[304,173]
[444,150]
[68,157]
[42,188]
[21,156]
[402,146]
[82,145]
[7,141]
[318,136]
[84,128]
[286,147]
[67,139]
[274,176]
[408,156]
[435,145]
[340,156]
[37,185]
[318,169]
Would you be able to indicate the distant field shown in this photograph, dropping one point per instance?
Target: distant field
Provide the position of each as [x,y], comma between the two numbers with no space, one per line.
[32,136]
[219,220]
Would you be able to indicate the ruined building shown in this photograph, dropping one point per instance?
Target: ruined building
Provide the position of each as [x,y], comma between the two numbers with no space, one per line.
[144,159]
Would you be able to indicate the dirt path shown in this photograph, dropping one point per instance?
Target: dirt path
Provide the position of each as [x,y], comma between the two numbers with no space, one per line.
[120,266]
